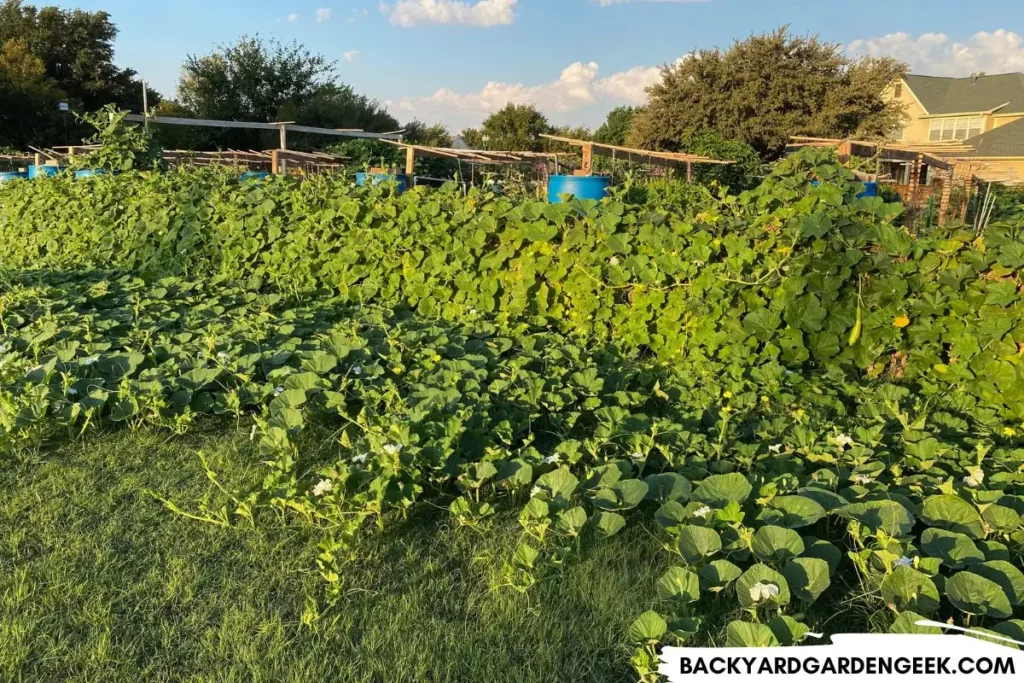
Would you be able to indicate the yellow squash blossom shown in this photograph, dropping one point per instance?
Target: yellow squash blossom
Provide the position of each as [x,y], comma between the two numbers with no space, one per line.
[900,321]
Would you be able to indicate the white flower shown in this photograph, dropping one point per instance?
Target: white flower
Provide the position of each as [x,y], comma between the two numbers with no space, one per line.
[702,511]
[222,355]
[614,260]
[861,479]
[975,478]
[842,440]
[472,311]
[392,448]
[360,459]
[638,456]
[775,448]
[536,491]
[252,433]
[72,392]
[904,562]
[357,369]
[763,591]
[90,360]
[3,349]
[323,487]
[551,459]
[278,391]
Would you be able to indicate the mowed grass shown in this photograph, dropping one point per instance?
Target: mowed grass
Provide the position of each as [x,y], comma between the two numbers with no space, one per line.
[100,582]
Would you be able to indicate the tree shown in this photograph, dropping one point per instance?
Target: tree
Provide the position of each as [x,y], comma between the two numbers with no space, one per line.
[514,127]
[260,80]
[616,127]
[738,176]
[76,51]
[764,90]
[28,99]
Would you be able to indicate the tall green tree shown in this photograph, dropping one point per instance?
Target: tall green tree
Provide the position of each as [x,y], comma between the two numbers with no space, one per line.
[513,127]
[28,99]
[616,127]
[767,88]
[76,50]
[264,80]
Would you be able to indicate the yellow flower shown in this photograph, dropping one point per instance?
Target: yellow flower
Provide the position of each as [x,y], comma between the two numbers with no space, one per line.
[727,394]
[1009,431]
[900,321]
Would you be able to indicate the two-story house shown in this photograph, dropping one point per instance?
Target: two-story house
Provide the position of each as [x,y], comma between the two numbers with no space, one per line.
[986,113]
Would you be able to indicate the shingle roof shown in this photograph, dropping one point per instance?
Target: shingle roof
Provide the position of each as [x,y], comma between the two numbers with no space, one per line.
[1004,141]
[963,95]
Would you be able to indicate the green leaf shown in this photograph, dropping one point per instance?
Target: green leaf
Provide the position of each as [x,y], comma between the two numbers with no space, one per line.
[514,474]
[880,515]
[524,557]
[607,524]
[776,544]
[808,577]
[955,550]
[648,628]
[791,512]
[672,515]
[1001,520]
[975,594]
[679,585]
[719,490]
[746,634]
[823,550]
[557,486]
[622,495]
[906,622]
[571,521]
[762,323]
[787,630]
[697,543]
[668,486]
[907,589]
[1006,575]
[716,575]
[953,513]
[754,588]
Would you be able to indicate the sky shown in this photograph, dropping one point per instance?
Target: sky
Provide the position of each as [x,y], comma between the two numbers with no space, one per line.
[453,61]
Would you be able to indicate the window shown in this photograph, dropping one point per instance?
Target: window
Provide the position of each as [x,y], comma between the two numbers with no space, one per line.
[955,129]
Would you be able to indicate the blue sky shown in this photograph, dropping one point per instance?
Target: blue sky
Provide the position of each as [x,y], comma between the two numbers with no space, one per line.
[451,61]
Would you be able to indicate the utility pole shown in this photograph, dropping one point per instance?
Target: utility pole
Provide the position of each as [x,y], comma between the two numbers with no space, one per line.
[145,106]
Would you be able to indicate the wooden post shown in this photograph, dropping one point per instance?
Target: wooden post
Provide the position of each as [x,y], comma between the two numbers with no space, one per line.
[588,159]
[845,151]
[915,179]
[947,191]
[410,161]
[284,146]
[274,161]
[38,160]
[689,171]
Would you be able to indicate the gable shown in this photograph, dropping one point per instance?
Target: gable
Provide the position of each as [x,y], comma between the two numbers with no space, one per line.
[967,95]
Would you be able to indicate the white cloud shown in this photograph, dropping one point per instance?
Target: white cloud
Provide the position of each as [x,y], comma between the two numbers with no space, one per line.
[323,14]
[292,18]
[934,54]
[352,56]
[410,13]
[578,95]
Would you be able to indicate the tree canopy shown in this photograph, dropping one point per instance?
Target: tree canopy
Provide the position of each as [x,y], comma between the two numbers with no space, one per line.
[514,126]
[50,55]
[765,89]
[616,127]
[263,80]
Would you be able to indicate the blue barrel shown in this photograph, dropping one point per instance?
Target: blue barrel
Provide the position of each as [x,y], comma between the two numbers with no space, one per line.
[89,172]
[43,171]
[12,175]
[254,175]
[579,186]
[402,179]
[870,190]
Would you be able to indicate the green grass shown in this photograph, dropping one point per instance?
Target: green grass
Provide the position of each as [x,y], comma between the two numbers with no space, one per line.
[99,582]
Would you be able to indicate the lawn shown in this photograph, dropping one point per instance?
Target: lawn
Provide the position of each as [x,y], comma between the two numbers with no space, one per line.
[100,582]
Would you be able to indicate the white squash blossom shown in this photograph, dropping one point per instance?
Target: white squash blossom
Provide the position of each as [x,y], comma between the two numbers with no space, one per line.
[763,591]
[551,459]
[278,391]
[842,440]
[392,448]
[638,456]
[903,562]
[72,392]
[324,486]
[975,478]
[357,369]
[861,479]
[360,459]
[775,448]
[702,511]
[91,360]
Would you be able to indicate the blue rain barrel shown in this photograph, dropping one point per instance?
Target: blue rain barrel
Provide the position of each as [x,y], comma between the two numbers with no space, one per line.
[255,175]
[870,190]
[377,178]
[581,187]
[12,175]
[43,171]
[89,172]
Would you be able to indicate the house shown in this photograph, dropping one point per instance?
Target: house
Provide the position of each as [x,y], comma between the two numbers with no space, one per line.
[985,113]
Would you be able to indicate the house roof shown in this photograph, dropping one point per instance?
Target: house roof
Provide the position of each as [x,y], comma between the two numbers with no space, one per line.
[973,94]
[1004,141]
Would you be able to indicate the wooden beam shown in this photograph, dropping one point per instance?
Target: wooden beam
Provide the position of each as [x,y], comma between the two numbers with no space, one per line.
[588,159]
[947,191]
[410,161]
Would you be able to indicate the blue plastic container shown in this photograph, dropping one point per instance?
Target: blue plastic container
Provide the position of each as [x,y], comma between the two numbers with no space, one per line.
[12,175]
[581,187]
[90,172]
[255,175]
[403,180]
[870,190]
[43,171]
